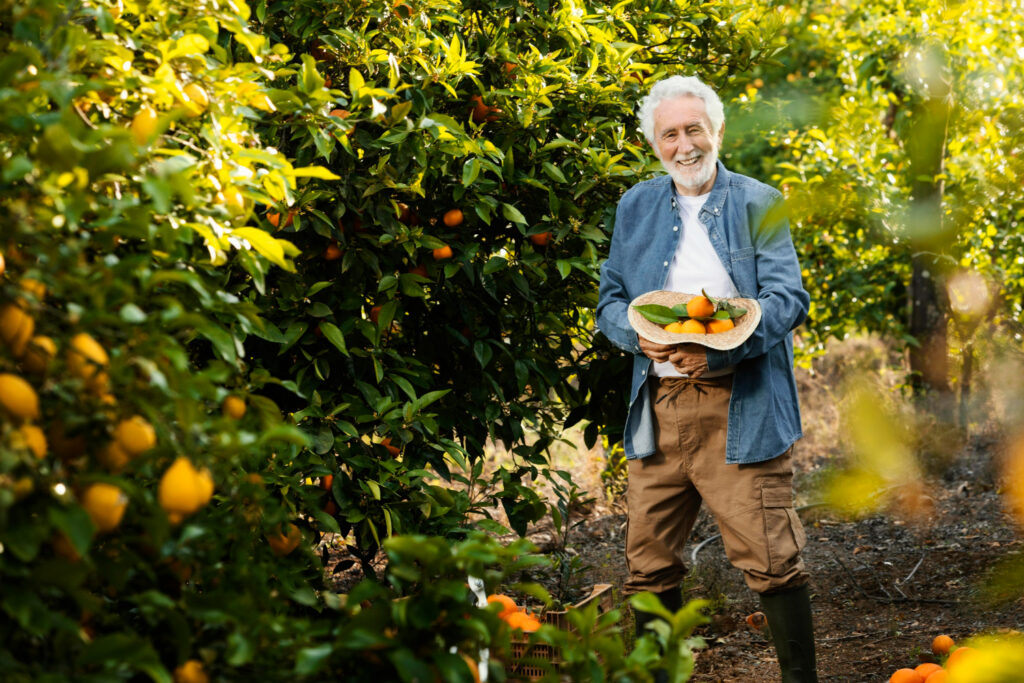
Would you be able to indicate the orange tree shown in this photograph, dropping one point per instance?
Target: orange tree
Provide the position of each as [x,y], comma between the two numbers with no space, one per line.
[232,272]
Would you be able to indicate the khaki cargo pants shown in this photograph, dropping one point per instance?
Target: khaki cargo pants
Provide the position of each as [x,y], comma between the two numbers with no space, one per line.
[752,504]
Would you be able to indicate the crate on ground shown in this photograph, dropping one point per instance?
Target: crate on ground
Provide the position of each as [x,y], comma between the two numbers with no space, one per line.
[522,666]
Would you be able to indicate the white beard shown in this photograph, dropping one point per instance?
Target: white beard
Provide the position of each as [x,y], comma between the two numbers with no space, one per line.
[696,176]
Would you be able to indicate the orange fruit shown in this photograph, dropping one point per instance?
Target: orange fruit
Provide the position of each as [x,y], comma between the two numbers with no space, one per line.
[906,676]
[716,325]
[523,621]
[333,252]
[757,620]
[940,676]
[541,239]
[700,307]
[233,407]
[453,218]
[274,219]
[676,328]
[442,253]
[420,270]
[375,314]
[509,605]
[927,669]
[959,657]
[942,644]
[393,450]
[113,457]
[3,264]
[283,544]
[191,672]
[691,326]
[326,481]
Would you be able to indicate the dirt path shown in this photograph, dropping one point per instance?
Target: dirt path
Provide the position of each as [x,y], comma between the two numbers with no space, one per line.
[882,588]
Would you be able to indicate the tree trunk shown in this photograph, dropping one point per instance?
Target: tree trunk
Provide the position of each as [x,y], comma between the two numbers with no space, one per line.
[930,238]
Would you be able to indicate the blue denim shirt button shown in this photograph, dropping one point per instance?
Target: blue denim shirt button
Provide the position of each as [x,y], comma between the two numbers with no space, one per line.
[666,263]
[675,228]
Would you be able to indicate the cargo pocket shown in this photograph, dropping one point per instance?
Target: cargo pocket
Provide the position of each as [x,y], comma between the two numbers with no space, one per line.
[783,530]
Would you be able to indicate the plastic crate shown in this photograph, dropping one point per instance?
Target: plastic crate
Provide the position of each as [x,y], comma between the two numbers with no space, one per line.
[519,670]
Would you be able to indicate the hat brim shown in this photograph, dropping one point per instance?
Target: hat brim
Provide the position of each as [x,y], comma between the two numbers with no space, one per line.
[723,341]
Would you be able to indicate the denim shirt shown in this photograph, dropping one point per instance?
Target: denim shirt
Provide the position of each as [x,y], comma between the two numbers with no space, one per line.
[750,233]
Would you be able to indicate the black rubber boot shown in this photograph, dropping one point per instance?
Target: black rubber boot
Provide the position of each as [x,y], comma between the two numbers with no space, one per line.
[672,600]
[789,618]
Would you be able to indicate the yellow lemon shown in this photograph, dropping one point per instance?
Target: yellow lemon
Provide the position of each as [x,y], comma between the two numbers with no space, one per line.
[191,672]
[233,407]
[33,287]
[143,126]
[38,354]
[197,101]
[87,360]
[105,504]
[183,489]
[18,398]
[34,439]
[16,328]
[113,457]
[135,435]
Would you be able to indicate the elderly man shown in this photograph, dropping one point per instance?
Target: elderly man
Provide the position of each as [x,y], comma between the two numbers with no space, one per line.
[706,425]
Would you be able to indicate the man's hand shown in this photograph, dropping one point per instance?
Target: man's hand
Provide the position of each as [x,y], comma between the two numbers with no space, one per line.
[659,353]
[689,359]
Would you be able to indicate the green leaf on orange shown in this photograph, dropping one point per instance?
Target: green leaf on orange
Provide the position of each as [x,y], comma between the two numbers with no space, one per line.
[656,313]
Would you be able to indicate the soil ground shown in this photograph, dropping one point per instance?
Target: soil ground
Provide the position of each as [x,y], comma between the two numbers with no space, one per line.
[882,588]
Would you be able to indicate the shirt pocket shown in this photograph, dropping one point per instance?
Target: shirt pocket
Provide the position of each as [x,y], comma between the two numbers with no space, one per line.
[742,254]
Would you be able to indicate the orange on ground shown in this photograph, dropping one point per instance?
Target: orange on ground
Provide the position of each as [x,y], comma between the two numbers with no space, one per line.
[716,325]
[757,620]
[700,307]
[675,328]
[940,676]
[942,644]
[233,407]
[523,621]
[541,239]
[453,218]
[927,669]
[508,604]
[691,326]
[958,657]
[283,544]
[906,676]
[441,253]
[333,252]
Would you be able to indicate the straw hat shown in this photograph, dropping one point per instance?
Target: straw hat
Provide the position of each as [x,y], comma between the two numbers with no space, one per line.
[723,341]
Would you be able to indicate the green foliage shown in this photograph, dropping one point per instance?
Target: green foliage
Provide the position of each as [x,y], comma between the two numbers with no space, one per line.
[183,184]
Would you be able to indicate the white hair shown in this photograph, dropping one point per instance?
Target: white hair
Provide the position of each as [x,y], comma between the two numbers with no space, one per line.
[680,86]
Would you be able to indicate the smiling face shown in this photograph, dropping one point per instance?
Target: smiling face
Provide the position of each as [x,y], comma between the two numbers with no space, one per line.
[685,144]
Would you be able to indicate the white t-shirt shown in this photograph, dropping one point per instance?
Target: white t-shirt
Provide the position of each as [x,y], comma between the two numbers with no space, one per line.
[695,266]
